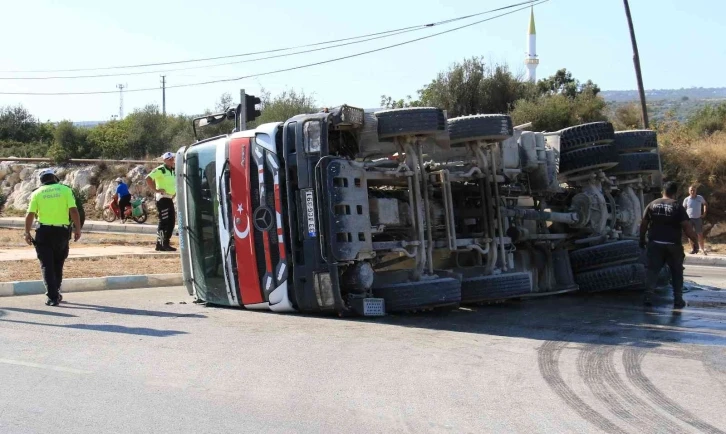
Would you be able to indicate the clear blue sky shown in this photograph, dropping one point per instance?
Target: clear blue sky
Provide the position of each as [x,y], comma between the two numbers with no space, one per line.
[681,45]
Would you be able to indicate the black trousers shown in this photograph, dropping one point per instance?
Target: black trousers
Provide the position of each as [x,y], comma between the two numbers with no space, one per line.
[51,246]
[167,220]
[659,255]
[124,202]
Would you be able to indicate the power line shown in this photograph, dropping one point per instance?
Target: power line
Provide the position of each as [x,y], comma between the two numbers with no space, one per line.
[215,65]
[308,65]
[372,36]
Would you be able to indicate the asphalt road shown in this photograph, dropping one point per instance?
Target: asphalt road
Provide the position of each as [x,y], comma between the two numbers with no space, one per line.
[140,361]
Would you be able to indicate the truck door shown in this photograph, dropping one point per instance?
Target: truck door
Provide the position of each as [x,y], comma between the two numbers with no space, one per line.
[226,238]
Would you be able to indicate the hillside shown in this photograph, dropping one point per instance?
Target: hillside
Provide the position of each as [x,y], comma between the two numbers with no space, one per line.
[678,104]
[699,93]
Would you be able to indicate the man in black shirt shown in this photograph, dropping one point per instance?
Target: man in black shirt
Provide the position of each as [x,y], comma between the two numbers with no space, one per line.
[663,221]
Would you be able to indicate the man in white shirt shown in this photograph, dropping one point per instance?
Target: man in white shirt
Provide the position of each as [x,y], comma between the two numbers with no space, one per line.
[696,208]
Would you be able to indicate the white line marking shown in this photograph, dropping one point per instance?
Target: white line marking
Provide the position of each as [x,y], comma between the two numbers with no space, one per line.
[38,365]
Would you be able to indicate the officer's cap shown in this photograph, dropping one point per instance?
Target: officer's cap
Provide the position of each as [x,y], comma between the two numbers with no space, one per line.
[167,156]
[46,172]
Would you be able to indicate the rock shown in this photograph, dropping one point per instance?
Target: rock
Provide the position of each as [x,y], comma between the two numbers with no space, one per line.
[89,190]
[25,173]
[4,169]
[137,173]
[717,229]
[80,178]
[105,194]
[13,178]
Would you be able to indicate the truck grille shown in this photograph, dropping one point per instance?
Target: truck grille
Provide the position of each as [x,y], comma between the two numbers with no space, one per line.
[268,199]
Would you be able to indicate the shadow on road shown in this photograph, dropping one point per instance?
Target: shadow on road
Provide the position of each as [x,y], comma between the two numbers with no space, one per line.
[608,318]
[110,328]
[39,312]
[127,311]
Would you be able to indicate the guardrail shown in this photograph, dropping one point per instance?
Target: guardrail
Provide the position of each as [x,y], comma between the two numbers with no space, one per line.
[79,161]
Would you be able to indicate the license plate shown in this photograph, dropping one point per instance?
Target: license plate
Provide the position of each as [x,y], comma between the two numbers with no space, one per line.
[310,208]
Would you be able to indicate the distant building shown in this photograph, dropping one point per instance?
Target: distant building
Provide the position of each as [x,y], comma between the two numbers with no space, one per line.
[531,61]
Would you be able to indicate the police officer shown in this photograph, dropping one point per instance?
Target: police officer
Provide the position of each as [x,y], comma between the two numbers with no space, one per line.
[52,204]
[162,181]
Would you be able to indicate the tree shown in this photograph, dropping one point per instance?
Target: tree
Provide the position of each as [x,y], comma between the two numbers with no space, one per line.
[17,124]
[626,117]
[72,140]
[145,127]
[473,87]
[563,83]
[389,103]
[111,139]
[708,119]
[282,107]
[554,112]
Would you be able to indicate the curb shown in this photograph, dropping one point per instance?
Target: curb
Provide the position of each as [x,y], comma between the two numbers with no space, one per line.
[12,223]
[35,287]
[708,261]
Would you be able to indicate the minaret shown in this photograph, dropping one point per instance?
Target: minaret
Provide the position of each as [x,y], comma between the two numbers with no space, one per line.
[531,60]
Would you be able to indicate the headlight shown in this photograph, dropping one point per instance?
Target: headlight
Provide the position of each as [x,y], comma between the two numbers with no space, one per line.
[323,290]
[312,136]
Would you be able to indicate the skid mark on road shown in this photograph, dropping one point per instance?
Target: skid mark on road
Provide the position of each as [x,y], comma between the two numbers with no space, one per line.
[596,366]
[713,362]
[633,359]
[548,358]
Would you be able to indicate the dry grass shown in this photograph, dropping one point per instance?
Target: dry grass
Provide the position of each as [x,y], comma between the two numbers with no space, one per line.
[13,238]
[93,267]
[689,159]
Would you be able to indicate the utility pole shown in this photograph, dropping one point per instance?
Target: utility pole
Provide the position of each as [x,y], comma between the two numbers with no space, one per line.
[121,88]
[163,94]
[243,114]
[636,61]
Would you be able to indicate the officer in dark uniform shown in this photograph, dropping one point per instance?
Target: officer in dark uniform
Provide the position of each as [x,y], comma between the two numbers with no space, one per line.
[664,221]
[54,206]
[162,181]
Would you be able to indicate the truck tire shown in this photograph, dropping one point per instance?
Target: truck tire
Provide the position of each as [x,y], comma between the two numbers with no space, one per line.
[619,252]
[635,141]
[639,162]
[627,276]
[590,158]
[580,136]
[410,122]
[480,127]
[427,294]
[495,287]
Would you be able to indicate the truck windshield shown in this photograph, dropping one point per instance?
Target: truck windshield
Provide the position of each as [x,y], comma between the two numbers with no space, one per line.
[203,204]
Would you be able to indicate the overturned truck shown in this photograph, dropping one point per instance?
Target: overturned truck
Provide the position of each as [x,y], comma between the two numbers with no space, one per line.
[351,211]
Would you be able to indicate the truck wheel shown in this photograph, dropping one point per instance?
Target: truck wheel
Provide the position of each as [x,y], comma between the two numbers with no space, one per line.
[427,294]
[635,141]
[590,258]
[583,135]
[619,277]
[417,121]
[590,158]
[480,127]
[495,287]
[639,162]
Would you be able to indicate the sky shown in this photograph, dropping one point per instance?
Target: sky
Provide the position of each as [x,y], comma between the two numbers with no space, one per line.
[680,43]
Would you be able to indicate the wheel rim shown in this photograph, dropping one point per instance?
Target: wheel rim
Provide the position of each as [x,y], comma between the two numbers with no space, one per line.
[109,215]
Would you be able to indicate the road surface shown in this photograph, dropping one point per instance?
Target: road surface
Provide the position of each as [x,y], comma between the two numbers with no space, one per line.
[140,361]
